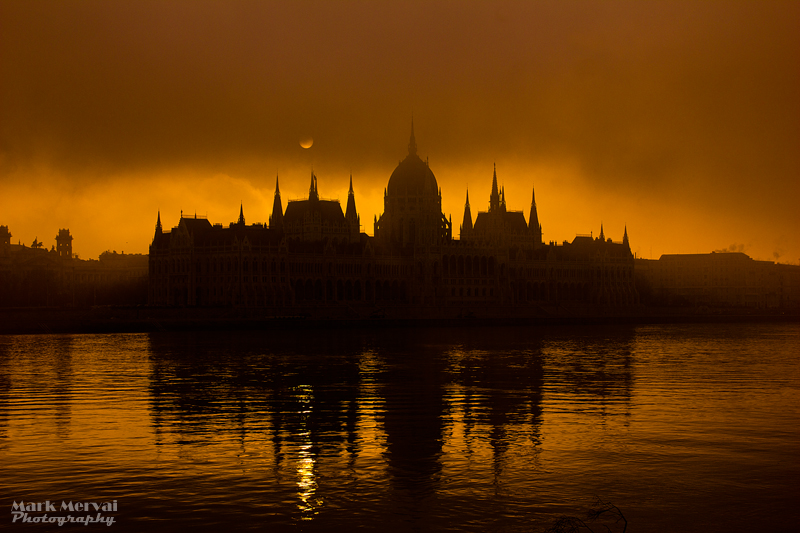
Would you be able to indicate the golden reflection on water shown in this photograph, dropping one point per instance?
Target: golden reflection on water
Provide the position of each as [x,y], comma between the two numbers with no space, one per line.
[307,483]
[444,428]
[65,398]
[306,461]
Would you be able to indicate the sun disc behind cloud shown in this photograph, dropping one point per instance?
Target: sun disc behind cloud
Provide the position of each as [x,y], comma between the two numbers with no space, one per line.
[306,142]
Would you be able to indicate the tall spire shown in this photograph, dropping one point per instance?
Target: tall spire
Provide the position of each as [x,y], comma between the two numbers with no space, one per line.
[533,221]
[350,213]
[503,199]
[466,225]
[412,144]
[625,237]
[313,194]
[276,220]
[494,197]
[158,223]
[241,214]
[602,236]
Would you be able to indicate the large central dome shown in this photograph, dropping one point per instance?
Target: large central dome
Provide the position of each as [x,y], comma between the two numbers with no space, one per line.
[412,177]
[412,206]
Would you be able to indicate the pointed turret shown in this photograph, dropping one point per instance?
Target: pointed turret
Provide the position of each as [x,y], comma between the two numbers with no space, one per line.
[412,144]
[276,220]
[350,213]
[503,199]
[312,188]
[466,225]
[533,221]
[625,237]
[602,237]
[241,215]
[158,223]
[494,197]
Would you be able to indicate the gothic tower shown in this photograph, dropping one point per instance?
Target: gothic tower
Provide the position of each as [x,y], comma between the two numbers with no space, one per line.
[466,225]
[533,221]
[313,193]
[64,243]
[276,219]
[350,214]
[5,240]
[494,197]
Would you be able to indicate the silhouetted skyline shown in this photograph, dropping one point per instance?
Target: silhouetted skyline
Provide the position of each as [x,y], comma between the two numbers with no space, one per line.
[677,120]
[314,256]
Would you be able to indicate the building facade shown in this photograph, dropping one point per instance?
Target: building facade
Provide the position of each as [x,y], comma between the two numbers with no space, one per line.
[314,259]
[727,279]
[33,276]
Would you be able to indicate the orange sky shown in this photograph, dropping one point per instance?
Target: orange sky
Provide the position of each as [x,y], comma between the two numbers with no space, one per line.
[680,120]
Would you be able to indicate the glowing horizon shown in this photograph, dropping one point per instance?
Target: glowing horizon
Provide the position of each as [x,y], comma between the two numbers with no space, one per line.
[679,121]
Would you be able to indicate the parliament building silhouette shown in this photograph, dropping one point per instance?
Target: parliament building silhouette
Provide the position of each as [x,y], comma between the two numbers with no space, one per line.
[313,259]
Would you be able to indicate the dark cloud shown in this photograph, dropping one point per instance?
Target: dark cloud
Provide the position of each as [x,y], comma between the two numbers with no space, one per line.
[692,102]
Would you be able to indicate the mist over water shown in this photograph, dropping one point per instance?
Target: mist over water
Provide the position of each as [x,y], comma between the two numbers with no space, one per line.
[690,428]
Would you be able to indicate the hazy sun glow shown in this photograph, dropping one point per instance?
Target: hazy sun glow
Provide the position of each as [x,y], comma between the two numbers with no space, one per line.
[679,120]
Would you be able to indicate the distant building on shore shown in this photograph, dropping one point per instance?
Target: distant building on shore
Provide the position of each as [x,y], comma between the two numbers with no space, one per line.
[313,258]
[33,276]
[718,279]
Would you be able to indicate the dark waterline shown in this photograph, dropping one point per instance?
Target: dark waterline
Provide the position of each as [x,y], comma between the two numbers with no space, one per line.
[684,427]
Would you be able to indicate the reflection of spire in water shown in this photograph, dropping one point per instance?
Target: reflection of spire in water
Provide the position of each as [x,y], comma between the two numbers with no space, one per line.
[413,423]
[498,440]
[494,400]
[596,369]
[370,439]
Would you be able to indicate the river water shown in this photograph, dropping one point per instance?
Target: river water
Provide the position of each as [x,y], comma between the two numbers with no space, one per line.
[682,427]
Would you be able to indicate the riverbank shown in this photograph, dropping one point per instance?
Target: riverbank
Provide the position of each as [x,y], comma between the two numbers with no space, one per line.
[146,319]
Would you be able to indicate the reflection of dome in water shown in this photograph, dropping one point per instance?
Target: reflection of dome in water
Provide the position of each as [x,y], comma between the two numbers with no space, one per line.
[412,177]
